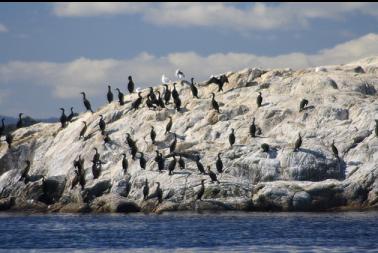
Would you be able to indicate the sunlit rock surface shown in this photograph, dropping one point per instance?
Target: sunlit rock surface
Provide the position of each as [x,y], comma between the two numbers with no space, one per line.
[342,107]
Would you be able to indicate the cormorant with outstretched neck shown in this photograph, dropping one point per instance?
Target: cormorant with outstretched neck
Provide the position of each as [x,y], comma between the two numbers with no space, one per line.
[259,100]
[25,173]
[102,124]
[169,125]
[153,135]
[72,114]
[9,140]
[20,122]
[172,166]
[160,161]
[160,100]
[177,102]
[146,190]
[86,102]
[63,118]
[212,175]
[96,156]
[167,94]
[142,161]
[172,147]
[109,95]
[159,192]
[334,150]
[214,103]
[181,163]
[135,105]
[303,104]
[298,143]
[175,94]
[193,88]
[200,165]
[83,130]
[231,137]
[252,128]
[201,191]
[2,128]
[376,128]
[125,163]
[265,147]
[130,85]
[149,104]
[120,97]
[219,164]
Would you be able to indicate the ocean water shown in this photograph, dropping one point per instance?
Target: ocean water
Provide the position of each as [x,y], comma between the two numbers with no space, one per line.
[188,232]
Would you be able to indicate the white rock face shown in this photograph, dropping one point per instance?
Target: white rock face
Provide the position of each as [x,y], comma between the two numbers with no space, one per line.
[342,107]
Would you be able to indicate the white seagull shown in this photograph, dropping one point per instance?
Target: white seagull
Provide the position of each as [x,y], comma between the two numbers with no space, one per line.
[180,75]
[164,79]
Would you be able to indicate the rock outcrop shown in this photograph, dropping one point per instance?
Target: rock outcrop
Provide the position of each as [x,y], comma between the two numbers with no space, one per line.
[342,107]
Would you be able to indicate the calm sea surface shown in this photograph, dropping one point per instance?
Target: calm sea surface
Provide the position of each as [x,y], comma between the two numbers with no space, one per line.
[184,232]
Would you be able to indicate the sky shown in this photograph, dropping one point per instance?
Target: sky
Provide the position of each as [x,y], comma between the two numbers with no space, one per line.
[50,52]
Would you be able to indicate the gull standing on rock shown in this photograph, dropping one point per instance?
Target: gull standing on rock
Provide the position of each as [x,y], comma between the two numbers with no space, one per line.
[165,79]
[179,74]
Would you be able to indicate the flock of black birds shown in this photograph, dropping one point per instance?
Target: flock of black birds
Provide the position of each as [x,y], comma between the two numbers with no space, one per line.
[153,102]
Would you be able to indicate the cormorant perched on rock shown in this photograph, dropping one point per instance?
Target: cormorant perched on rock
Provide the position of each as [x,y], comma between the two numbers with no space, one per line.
[120,97]
[177,102]
[259,100]
[175,94]
[133,151]
[9,140]
[219,81]
[125,163]
[130,141]
[79,164]
[160,100]
[130,85]
[298,143]
[86,102]
[107,139]
[214,103]
[193,88]
[160,161]
[135,105]
[376,127]
[334,150]
[200,165]
[20,123]
[265,147]
[172,147]
[2,128]
[219,164]
[201,191]
[102,125]
[72,114]
[169,125]
[25,173]
[75,180]
[303,104]
[181,163]
[231,137]
[142,161]
[63,118]
[159,192]
[152,96]
[109,95]
[146,190]
[96,169]
[167,94]
[96,156]
[149,104]
[252,128]
[153,135]
[172,166]
[212,175]
[83,130]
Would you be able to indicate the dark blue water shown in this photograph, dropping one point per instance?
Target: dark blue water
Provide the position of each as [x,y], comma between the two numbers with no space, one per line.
[180,232]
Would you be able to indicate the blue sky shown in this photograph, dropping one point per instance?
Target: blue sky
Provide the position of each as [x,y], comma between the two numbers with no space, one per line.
[50,52]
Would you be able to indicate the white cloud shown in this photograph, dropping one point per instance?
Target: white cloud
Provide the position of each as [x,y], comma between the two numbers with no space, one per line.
[3,28]
[68,79]
[258,16]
